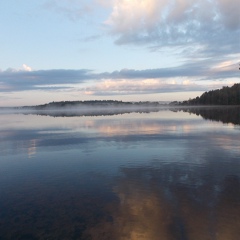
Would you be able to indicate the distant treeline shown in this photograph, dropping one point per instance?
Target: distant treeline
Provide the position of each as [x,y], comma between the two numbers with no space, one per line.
[224,96]
[95,103]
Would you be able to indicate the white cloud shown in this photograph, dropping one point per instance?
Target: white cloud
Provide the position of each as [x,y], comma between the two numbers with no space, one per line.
[132,16]
[26,68]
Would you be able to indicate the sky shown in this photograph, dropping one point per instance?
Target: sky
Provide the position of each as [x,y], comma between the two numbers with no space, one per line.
[129,50]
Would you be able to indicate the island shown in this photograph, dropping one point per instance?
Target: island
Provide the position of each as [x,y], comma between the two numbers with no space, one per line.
[92,108]
[95,104]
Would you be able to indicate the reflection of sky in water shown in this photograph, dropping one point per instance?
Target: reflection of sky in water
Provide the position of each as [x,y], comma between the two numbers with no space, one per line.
[133,176]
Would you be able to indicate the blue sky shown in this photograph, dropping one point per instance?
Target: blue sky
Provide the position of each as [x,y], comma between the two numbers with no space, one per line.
[130,50]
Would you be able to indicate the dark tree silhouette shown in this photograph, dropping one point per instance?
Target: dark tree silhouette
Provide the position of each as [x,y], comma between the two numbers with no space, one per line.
[224,96]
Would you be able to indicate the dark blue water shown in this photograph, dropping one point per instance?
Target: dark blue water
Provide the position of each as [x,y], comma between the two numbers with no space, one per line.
[164,175]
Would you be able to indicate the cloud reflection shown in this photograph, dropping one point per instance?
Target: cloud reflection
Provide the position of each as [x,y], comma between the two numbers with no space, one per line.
[89,131]
[50,133]
[153,207]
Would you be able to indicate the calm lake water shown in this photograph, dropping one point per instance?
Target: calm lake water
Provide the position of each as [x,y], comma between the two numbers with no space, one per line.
[166,175]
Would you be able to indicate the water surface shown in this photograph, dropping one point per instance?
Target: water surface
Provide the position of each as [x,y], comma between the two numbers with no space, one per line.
[145,176]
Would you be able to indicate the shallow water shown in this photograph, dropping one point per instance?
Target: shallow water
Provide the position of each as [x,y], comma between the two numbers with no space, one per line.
[145,176]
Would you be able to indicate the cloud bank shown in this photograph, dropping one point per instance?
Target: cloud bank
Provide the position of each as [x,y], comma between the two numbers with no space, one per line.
[187,77]
[28,79]
[214,25]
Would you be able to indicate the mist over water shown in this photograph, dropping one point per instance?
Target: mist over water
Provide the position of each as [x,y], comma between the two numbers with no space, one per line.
[166,174]
[84,109]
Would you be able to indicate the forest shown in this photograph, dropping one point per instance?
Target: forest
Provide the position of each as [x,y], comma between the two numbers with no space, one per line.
[223,96]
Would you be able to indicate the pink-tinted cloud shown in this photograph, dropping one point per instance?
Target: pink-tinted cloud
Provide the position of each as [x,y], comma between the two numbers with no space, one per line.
[177,23]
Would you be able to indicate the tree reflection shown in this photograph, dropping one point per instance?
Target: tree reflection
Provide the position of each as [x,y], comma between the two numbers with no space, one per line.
[220,114]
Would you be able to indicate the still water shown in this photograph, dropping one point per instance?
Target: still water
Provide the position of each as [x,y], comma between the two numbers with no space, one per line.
[164,175]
